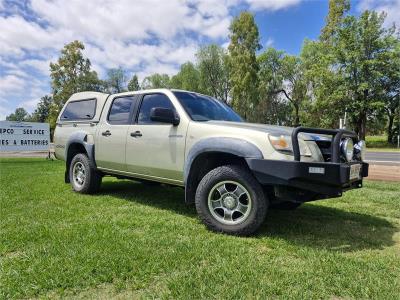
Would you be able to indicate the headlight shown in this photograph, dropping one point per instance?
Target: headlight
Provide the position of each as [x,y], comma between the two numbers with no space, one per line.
[347,148]
[360,149]
[283,143]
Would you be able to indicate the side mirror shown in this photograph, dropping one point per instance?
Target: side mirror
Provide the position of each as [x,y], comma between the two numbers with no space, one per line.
[164,115]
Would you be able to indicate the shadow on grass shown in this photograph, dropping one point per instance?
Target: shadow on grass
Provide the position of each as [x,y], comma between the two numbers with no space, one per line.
[329,228]
[160,196]
[310,225]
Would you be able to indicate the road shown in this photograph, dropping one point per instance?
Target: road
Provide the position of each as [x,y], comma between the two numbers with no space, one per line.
[383,158]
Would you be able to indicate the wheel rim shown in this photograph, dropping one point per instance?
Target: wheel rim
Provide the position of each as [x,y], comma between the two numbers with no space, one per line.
[229,202]
[79,174]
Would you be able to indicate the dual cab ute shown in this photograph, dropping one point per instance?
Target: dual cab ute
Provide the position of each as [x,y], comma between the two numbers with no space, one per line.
[232,170]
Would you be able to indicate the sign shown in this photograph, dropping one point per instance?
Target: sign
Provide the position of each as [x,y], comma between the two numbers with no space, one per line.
[24,136]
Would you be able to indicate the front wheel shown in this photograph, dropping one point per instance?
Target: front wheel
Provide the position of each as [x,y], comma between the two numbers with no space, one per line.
[83,176]
[230,200]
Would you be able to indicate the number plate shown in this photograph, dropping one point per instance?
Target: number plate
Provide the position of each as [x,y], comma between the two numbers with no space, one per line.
[355,171]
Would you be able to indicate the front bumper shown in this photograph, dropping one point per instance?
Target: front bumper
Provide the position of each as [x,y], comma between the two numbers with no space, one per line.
[324,178]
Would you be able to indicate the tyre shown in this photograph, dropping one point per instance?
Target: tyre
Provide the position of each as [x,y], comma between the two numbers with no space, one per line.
[230,200]
[287,205]
[83,176]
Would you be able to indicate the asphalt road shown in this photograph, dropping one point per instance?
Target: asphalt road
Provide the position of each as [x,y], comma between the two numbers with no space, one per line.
[387,158]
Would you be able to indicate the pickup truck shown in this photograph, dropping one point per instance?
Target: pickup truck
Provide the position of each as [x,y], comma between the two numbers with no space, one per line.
[233,171]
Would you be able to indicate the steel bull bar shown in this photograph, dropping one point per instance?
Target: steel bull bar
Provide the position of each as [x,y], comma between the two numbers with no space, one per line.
[326,178]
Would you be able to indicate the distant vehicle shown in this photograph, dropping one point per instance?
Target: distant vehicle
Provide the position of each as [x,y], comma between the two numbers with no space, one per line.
[232,170]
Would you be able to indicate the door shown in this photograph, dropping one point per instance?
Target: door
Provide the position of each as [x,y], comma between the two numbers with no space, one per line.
[111,137]
[153,148]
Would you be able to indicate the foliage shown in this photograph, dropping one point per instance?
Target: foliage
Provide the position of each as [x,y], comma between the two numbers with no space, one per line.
[156,81]
[133,84]
[337,9]
[272,108]
[363,50]
[244,42]
[71,74]
[353,71]
[188,78]
[42,111]
[116,81]
[352,68]
[19,115]
[377,141]
[391,92]
[212,61]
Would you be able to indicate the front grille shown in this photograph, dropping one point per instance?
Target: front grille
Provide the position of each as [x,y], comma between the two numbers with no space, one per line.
[330,149]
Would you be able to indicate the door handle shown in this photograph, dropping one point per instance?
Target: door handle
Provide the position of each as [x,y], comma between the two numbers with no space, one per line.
[106,133]
[136,134]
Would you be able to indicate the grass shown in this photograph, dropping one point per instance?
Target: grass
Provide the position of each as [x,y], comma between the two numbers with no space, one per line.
[133,241]
[383,149]
[379,143]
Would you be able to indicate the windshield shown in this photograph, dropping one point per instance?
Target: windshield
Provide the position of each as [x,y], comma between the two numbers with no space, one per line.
[204,108]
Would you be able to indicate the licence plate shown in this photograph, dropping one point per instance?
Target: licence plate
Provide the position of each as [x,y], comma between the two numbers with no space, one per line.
[355,171]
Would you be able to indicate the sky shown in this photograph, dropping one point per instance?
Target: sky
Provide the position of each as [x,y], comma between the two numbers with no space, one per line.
[141,36]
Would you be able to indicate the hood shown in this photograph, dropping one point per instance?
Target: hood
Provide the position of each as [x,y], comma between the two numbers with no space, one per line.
[272,129]
[254,126]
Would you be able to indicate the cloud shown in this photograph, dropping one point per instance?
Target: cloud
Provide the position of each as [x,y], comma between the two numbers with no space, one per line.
[391,7]
[10,84]
[269,42]
[142,36]
[271,4]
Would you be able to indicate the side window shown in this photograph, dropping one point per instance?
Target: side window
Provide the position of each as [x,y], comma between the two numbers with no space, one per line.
[120,111]
[79,110]
[150,101]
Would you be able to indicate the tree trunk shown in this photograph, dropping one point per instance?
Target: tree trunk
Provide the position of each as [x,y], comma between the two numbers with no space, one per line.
[390,129]
[363,127]
[297,119]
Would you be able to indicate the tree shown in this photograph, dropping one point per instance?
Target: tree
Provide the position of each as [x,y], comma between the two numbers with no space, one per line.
[133,84]
[19,115]
[272,108]
[282,79]
[294,85]
[116,81]
[354,71]
[42,111]
[71,74]
[337,10]
[243,64]
[362,49]
[188,78]
[212,62]
[391,90]
[156,81]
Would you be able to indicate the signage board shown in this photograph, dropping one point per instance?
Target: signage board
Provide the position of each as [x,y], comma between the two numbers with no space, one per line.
[24,136]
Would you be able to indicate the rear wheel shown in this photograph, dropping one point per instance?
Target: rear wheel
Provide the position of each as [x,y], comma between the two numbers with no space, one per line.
[230,200]
[83,176]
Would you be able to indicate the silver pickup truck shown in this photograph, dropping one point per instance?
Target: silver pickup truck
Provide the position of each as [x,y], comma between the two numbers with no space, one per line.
[231,170]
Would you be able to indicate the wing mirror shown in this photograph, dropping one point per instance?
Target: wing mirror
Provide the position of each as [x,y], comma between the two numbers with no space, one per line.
[164,115]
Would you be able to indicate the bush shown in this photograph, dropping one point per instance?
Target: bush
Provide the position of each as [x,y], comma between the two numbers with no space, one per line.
[377,141]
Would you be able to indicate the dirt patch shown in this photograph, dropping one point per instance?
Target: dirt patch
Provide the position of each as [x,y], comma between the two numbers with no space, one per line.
[384,172]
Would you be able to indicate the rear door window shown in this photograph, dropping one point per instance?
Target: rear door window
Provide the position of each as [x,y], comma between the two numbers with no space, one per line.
[79,110]
[121,110]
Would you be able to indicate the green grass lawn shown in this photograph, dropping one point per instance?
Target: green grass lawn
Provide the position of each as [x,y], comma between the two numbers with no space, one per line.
[378,143]
[136,241]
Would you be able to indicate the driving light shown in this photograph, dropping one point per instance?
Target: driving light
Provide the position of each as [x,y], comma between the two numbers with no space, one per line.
[283,143]
[360,149]
[347,148]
